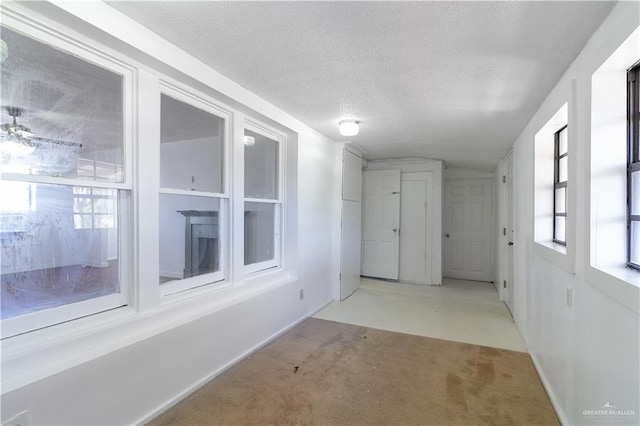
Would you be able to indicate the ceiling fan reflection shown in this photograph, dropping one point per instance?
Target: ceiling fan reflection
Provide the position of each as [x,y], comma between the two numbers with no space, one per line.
[18,139]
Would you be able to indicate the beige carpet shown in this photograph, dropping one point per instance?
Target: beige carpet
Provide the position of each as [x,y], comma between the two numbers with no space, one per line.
[323,372]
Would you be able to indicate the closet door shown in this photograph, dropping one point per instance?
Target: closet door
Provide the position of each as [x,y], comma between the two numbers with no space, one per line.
[416,226]
[351,236]
[380,233]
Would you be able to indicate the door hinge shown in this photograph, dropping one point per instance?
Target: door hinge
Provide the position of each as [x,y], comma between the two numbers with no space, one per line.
[504,179]
[341,276]
[504,284]
[504,231]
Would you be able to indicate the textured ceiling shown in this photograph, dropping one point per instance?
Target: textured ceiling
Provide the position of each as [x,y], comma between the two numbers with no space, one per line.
[451,80]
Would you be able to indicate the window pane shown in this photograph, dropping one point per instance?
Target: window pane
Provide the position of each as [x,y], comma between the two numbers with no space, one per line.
[54,262]
[68,114]
[261,167]
[561,200]
[191,148]
[563,141]
[635,192]
[560,229]
[635,243]
[562,169]
[189,236]
[259,232]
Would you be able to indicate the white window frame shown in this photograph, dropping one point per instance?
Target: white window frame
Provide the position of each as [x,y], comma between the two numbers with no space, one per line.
[607,255]
[562,255]
[280,138]
[87,52]
[218,278]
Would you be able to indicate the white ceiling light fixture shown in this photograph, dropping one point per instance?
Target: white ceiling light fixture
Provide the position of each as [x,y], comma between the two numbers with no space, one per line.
[349,127]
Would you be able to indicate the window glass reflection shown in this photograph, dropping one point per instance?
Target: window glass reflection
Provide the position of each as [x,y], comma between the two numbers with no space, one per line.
[61,116]
[51,255]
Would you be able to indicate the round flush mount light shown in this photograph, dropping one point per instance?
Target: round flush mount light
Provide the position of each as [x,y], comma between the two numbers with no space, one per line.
[349,127]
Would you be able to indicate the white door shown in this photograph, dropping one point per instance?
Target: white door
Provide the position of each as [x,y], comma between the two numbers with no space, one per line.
[468,224]
[415,223]
[381,227]
[508,240]
[351,237]
[350,248]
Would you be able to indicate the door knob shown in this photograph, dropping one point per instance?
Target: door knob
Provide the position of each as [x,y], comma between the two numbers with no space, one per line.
[446,235]
[395,230]
[510,243]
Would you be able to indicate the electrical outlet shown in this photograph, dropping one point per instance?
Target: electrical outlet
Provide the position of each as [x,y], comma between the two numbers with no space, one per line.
[301,294]
[21,419]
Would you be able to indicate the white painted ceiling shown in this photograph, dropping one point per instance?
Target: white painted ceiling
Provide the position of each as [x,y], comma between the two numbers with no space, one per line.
[456,81]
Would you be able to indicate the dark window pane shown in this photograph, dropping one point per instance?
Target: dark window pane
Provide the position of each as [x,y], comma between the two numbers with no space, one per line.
[189,236]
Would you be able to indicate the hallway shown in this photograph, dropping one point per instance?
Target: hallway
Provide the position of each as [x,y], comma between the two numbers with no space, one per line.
[461,311]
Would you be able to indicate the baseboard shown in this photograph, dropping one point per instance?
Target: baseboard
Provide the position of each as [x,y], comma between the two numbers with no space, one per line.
[562,416]
[182,395]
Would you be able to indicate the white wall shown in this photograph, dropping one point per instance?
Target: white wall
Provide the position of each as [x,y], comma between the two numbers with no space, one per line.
[587,354]
[423,165]
[124,372]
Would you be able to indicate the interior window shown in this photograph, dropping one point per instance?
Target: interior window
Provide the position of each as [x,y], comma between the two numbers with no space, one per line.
[191,195]
[61,133]
[633,168]
[262,200]
[561,166]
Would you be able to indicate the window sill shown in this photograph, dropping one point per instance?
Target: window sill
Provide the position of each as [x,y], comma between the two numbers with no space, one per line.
[34,356]
[555,253]
[618,282]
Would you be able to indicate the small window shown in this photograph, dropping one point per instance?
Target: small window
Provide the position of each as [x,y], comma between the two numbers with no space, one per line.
[192,193]
[561,169]
[262,207]
[633,169]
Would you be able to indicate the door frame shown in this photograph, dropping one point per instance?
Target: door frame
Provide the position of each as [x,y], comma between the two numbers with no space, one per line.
[506,232]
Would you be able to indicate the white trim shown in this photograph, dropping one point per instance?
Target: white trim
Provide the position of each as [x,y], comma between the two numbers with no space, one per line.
[214,279]
[279,213]
[262,200]
[47,317]
[85,50]
[557,406]
[619,283]
[76,342]
[50,180]
[203,381]
[173,191]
